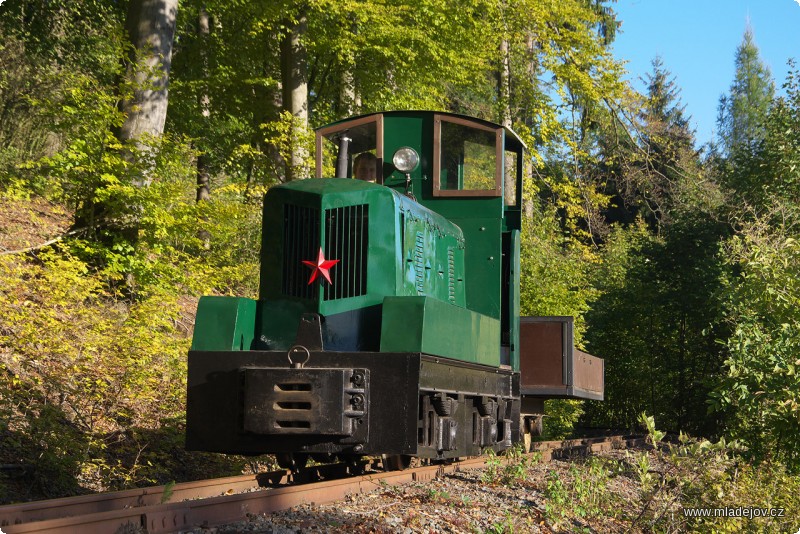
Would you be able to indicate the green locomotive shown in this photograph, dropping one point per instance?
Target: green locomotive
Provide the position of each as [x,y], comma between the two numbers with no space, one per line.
[388,313]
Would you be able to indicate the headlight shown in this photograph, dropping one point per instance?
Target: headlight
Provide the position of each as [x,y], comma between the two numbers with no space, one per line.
[405,159]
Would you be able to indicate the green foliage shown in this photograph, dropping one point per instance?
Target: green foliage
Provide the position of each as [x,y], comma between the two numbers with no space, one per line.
[766,487]
[492,473]
[642,466]
[759,389]
[767,175]
[653,435]
[591,489]
[93,353]
[677,477]
[657,174]
[99,370]
[645,477]
[287,134]
[779,157]
[583,493]
[555,280]
[51,52]
[561,416]
[93,384]
[558,499]
[742,113]
[617,333]
[167,493]
[698,474]
[510,469]
[437,496]
[364,56]
[505,526]
[762,383]
[554,271]
[656,323]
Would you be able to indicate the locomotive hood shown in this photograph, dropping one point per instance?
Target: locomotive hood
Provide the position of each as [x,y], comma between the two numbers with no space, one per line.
[338,247]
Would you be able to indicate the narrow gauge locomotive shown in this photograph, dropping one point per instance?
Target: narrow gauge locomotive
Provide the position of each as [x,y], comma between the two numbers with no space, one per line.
[387,321]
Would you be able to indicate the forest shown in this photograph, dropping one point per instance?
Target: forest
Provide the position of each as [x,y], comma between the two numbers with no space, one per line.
[137,138]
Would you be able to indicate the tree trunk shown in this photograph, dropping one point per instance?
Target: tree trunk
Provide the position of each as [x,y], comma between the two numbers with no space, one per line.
[348,102]
[349,99]
[504,84]
[294,81]
[203,181]
[528,113]
[504,97]
[151,27]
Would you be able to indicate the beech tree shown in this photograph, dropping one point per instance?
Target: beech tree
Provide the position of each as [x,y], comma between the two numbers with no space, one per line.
[151,27]
[294,82]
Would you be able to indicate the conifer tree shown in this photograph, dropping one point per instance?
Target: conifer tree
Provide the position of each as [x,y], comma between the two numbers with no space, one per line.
[653,173]
[669,139]
[742,112]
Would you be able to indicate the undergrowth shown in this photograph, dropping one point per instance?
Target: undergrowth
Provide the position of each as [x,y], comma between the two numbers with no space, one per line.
[672,480]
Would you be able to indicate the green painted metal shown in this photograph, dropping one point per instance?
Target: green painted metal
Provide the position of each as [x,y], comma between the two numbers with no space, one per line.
[326,194]
[408,129]
[416,130]
[411,251]
[224,323]
[277,321]
[394,222]
[483,264]
[481,219]
[432,260]
[423,324]
[467,208]
[440,250]
[512,215]
[514,298]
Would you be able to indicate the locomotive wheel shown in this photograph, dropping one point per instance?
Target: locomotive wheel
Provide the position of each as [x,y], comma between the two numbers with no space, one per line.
[530,427]
[352,461]
[447,461]
[293,462]
[396,462]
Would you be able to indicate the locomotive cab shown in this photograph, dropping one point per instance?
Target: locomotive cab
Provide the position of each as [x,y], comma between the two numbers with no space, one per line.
[470,172]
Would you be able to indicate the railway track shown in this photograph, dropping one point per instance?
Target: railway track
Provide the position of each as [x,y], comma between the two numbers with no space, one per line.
[214,502]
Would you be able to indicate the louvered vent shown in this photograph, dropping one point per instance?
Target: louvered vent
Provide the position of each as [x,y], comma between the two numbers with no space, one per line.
[346,240]
[451,275]
[419,260]
[300,242]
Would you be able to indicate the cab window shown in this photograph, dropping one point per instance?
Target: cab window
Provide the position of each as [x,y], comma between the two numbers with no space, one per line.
[510,191]
[353,149]
[466,161]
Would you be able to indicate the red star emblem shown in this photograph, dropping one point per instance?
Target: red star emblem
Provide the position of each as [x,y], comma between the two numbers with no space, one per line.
[321,266]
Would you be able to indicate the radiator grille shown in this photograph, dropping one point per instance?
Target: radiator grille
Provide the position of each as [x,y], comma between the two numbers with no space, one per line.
[300,242]
[346,240]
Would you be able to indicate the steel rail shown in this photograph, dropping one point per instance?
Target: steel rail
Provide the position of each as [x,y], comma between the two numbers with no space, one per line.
[142,508]
[136,498]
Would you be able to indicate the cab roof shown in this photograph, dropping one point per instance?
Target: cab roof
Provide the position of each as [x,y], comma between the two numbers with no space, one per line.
[512,139]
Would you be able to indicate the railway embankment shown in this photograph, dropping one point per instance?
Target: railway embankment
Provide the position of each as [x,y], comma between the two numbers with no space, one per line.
[596,485]
[694,486]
